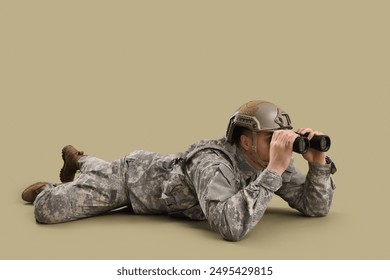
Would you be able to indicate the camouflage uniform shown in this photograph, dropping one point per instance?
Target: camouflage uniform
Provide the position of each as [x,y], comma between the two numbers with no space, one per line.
[211,180]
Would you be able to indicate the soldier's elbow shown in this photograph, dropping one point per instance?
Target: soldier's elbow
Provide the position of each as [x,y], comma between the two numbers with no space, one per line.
[318,212]
[234,236]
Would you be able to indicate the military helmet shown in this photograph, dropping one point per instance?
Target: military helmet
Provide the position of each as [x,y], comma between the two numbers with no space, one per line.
[258,116]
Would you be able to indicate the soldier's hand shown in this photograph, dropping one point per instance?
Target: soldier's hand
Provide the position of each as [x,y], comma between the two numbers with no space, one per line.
[281,150]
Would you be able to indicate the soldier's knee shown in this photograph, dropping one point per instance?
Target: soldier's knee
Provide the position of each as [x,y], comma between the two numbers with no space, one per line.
[41,217]
[46,214]
[47,217]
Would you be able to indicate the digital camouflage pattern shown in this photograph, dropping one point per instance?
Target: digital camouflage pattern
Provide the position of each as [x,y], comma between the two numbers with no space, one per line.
[209,181]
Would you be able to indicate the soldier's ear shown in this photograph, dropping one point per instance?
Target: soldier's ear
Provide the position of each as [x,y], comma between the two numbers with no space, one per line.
[245,142]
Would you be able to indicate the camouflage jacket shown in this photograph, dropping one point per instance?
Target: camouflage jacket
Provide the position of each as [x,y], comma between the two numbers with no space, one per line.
[213,181]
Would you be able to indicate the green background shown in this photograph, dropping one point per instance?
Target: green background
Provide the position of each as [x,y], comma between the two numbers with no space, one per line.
[110,77]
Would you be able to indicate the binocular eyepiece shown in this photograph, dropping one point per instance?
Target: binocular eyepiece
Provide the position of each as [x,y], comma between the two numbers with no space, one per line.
[319,142]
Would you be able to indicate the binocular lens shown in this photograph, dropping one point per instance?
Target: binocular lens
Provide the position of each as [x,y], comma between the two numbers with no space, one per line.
[319,142]
[322,144]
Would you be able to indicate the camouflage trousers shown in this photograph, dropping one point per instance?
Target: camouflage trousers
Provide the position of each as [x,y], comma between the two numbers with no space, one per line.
[100,188]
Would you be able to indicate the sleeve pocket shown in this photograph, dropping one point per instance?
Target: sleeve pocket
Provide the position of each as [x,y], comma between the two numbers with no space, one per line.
[221,187]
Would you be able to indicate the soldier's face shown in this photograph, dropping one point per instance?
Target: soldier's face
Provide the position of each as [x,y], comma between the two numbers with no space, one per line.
[263,144]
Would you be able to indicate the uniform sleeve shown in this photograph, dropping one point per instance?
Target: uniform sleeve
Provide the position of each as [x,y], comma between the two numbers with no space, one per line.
[230,210]
[312,194]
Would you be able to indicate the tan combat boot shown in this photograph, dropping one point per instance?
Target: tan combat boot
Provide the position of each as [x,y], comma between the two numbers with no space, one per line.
[31,192]
[71,158]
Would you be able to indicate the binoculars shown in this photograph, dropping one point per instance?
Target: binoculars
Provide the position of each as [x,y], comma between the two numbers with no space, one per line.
[319,142]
